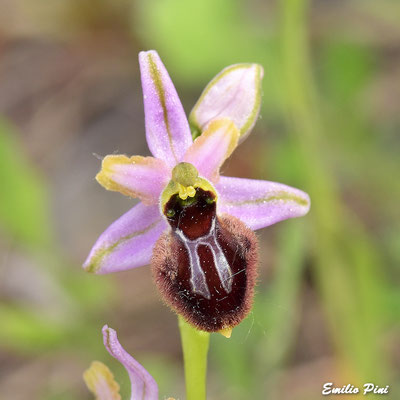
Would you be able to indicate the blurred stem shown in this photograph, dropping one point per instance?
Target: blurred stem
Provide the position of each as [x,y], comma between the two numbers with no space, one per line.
[348,282]
[279,307]
[302,106]
[195,348]
[281,304]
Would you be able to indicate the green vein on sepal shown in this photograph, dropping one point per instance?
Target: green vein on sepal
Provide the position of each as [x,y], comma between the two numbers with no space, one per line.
[281,196]
[155,75]
[100,254]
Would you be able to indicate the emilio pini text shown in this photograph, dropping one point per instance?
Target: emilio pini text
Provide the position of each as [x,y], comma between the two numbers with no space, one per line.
[329,388]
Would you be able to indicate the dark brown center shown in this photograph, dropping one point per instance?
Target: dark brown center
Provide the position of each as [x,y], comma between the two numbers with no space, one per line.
[192,216]
[208,262]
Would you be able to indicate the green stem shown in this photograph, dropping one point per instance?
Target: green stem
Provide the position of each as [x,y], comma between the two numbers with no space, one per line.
[195,348]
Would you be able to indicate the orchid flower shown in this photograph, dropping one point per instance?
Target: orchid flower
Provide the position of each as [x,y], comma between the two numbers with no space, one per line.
[100,380]
[192,225]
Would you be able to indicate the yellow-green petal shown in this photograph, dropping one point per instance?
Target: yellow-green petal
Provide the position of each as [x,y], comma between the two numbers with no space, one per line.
[235,93]
[100,381]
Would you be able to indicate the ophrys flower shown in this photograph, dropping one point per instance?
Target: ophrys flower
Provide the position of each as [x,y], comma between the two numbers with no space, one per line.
[193,225]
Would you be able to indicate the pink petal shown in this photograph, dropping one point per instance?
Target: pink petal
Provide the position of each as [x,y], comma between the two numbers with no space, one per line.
[128,242]
[213,147]
[167,129]
[235,93]
[142,177]
[260,203]
[143,385]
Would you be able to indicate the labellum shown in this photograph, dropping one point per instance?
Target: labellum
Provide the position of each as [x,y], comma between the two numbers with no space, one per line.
[205,266]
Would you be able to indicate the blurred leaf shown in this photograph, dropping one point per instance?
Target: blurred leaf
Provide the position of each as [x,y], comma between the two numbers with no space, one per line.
[29,331]
[24,206]
[166,373]
[90,292]
[25,217]
[346,69]
[347,264]
[277,310]
[233,359]
[195,50]
[386,10]
[59,395]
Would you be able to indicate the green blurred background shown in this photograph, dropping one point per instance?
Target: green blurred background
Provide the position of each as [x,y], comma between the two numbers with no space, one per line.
[328,302]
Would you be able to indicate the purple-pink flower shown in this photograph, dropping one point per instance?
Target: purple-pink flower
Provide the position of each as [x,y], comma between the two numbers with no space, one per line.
[100,380]
[200,220]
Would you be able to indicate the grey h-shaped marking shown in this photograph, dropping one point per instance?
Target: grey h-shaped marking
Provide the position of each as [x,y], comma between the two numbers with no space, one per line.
[197,276]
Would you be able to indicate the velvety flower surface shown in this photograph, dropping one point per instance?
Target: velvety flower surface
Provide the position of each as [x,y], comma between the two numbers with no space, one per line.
[100,380]
[204,262]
